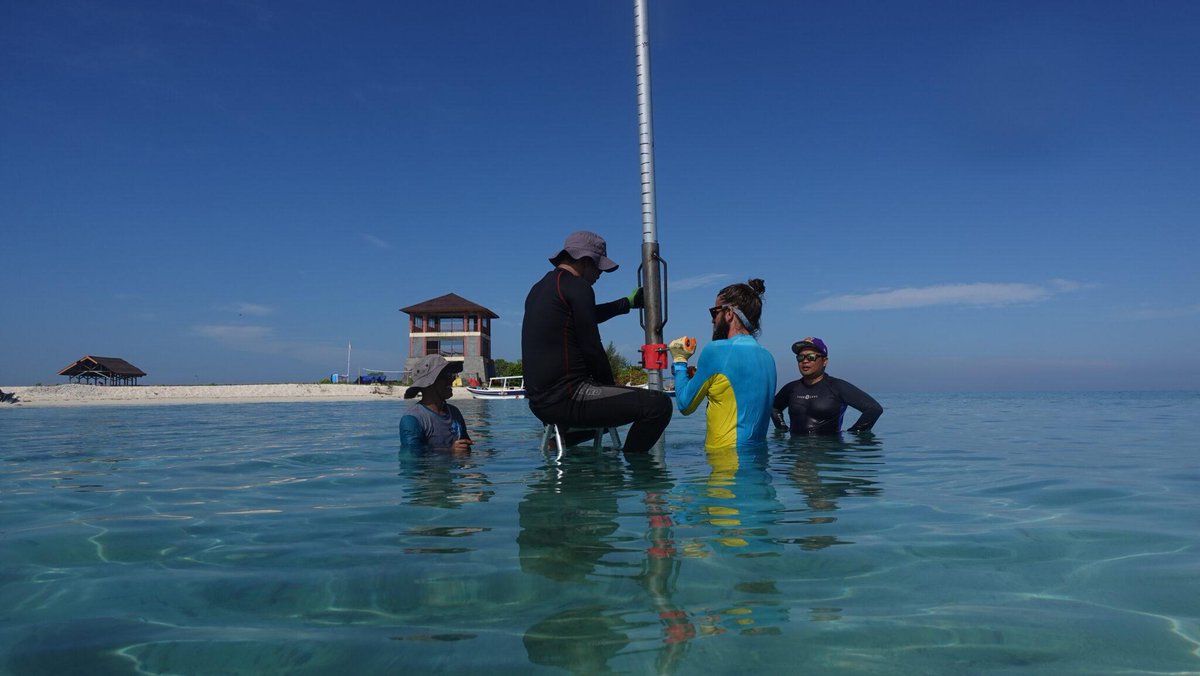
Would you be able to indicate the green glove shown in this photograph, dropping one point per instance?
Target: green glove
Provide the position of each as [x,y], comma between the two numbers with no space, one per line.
[682,349]
[635,298]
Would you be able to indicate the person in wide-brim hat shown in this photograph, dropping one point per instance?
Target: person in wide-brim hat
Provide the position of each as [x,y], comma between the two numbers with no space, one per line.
[432,422]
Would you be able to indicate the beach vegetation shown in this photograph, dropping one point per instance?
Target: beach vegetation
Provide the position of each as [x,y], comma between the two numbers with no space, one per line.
[624,371]
[505,367]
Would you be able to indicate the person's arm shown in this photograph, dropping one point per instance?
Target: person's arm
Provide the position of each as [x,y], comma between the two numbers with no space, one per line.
[463,443]
[412,437]
[457,416]
[863,402]
[690,391]
[578,295]
[779,405]
[606,311]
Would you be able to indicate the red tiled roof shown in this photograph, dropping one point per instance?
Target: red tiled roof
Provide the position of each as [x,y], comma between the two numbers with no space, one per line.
[448,304]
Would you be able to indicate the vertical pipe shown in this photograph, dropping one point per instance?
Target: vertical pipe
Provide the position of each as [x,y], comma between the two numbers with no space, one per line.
[652,283]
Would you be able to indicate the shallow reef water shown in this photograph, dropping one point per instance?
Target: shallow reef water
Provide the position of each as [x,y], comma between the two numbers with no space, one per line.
[971,533]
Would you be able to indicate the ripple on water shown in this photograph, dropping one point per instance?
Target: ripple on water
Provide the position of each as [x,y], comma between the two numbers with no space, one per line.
[296,538]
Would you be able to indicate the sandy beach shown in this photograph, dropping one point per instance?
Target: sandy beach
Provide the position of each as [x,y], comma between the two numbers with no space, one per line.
[141,395]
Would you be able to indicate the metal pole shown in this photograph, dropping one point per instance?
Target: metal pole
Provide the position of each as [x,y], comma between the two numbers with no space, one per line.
[652,284]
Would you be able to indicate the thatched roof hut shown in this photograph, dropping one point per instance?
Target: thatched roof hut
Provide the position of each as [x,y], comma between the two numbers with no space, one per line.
[103,371]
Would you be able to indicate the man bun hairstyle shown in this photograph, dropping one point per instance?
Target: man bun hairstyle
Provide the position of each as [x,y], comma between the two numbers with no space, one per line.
[747,298]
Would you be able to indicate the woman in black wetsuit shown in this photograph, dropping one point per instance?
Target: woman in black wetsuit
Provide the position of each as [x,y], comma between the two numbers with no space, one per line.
[817,402]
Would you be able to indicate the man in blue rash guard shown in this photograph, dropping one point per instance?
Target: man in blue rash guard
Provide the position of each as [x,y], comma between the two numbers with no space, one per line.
[568,379]
[817,402]
[734,373]
[432,423]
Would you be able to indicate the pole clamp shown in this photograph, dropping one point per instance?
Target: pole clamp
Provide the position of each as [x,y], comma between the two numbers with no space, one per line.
[654,356]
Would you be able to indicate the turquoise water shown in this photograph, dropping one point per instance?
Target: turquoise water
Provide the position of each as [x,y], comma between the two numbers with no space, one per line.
[1007,533]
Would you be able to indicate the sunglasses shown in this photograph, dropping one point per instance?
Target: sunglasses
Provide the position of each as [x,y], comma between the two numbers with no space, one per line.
[714,311]
[808,357]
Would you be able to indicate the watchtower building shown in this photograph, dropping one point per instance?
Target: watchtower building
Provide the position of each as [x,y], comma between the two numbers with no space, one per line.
[455,328]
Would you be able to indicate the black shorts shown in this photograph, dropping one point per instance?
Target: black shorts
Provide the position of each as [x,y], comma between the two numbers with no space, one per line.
[594,405]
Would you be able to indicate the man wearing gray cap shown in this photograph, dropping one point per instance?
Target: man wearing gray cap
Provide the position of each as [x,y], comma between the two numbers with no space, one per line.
[568,379]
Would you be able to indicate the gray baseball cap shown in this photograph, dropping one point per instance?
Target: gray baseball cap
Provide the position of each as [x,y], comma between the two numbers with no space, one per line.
[426,372]
[584,244]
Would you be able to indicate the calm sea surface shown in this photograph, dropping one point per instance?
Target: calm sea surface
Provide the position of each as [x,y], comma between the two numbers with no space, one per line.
[982,533]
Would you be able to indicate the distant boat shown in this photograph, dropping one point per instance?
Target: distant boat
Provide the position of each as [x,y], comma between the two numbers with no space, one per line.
[504,387]
[646,386]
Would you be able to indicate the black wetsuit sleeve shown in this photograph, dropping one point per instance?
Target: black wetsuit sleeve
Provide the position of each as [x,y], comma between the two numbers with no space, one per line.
[586,317]
[779,405]
[609,310]
[862,402]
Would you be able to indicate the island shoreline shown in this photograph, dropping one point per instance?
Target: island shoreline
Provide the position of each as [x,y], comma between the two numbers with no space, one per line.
[143,395]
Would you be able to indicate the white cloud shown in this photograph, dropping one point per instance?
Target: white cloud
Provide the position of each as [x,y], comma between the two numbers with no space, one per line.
[262,340]
[376,242]
[696,282]
[973,294]
[1065,285]
[227,333]
[253,309]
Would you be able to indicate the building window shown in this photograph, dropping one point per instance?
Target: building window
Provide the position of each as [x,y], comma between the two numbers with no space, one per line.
[452,324]
[451,347]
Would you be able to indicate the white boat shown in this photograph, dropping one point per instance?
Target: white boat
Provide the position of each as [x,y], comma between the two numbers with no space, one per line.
[646,386]
[504,387]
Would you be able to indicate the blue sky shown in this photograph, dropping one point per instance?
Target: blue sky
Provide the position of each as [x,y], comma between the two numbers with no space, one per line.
[955,196]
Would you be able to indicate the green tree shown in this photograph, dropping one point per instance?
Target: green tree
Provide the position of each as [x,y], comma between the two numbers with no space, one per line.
[616,362]
[505,367]
[624,371]
[634,375]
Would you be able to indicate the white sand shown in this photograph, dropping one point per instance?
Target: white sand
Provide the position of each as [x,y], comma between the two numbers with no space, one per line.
[101,395]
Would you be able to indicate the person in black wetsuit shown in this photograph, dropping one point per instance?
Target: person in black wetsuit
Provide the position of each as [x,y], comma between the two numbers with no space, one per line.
[568,380]
[816,403]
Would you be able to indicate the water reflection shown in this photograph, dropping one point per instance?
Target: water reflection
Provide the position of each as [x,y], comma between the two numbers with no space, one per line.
[481,419]
[661,563]
[443,479]
[827,469]
[655,561]
[570,531]
[734,506]
[734,512]
[567,516]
